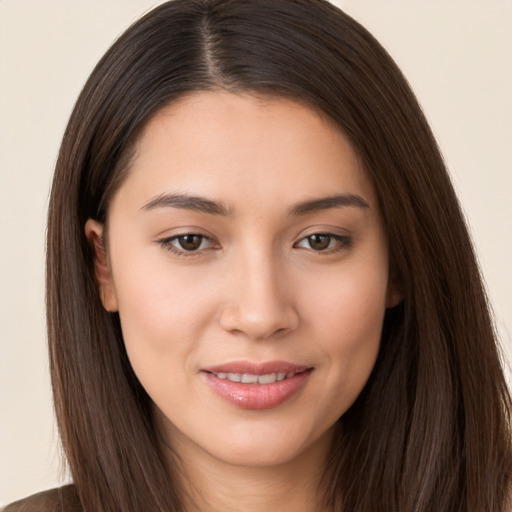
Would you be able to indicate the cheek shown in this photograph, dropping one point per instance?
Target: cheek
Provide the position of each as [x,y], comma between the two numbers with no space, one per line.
[162,314]
[348,319]
[154,294]
[350,302]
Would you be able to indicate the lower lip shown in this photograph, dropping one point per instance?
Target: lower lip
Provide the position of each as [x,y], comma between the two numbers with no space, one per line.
[257,396]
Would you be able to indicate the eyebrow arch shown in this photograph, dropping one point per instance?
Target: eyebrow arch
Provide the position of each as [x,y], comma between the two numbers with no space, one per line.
[325,203]
[196,203]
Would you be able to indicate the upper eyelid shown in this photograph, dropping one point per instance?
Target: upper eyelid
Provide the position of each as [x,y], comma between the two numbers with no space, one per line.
[335,233]
[184,231]
[188,233]
[325,228]
[345,238]
[168,239]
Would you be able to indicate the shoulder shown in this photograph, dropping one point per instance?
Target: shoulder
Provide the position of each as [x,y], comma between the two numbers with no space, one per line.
[62,499]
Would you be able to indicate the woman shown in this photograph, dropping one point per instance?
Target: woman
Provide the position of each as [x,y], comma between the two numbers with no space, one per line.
[261,291]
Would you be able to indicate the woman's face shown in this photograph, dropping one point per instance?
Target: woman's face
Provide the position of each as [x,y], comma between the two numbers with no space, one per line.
[248,262]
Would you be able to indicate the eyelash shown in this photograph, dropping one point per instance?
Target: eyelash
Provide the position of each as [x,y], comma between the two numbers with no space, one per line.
[168,244]
[343,243]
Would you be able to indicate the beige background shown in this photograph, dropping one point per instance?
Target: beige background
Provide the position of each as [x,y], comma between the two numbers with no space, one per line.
[456,54]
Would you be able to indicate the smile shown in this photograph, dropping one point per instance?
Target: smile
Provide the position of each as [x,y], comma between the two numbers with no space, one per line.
[249,378]
[257,386]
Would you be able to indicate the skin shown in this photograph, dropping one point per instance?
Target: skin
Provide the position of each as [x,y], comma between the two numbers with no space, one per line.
[256,288]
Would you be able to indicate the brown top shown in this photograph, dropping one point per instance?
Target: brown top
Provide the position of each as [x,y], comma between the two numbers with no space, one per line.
[62,499]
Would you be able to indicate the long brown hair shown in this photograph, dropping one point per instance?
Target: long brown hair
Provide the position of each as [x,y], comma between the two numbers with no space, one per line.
[430,431]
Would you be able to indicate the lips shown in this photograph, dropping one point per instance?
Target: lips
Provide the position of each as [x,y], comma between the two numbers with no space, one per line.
[254,385]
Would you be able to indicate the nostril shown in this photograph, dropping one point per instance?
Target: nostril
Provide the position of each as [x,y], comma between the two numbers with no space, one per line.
[259,325]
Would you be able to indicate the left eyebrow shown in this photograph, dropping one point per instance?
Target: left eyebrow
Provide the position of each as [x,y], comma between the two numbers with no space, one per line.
[326,203]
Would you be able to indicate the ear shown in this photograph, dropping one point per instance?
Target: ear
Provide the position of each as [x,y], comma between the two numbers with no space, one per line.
[394,293]
[94,234]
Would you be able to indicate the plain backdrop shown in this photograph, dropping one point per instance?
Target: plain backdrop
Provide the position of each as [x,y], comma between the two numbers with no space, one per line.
[456,54]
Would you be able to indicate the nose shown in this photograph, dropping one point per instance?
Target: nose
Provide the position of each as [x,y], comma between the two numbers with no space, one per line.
[260,304]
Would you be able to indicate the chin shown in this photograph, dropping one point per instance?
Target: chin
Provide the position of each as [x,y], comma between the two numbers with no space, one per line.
[256,456]
[266,447]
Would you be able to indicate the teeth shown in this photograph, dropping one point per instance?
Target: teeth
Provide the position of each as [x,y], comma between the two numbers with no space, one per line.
[249,378]
[267,379]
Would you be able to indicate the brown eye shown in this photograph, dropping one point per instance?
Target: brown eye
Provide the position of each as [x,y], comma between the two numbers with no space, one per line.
[190,242]
[319,242]
[326,242]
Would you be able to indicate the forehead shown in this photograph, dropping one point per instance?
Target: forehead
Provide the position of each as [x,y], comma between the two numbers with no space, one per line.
[220,143]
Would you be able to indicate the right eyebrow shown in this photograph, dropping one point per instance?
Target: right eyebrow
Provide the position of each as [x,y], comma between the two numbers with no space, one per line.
[196,203]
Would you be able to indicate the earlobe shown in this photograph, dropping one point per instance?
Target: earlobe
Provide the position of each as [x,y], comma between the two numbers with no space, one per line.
[394,296]
[394,293]
[106,289]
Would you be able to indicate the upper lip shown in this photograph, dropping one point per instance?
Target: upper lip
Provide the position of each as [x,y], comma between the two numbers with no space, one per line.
[257,368]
